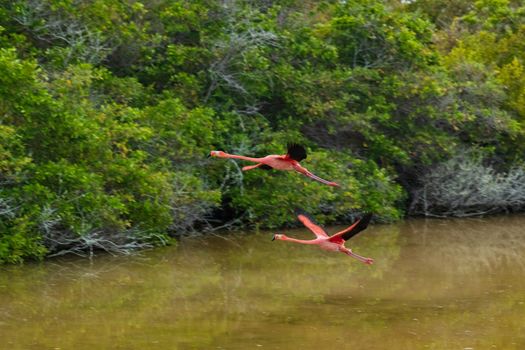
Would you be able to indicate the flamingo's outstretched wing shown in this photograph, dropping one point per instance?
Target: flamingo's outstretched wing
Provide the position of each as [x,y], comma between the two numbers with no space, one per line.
[309,223]
[353,230]
[296,152]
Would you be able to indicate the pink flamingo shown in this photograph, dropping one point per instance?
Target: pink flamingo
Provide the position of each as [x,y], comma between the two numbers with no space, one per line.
[289,161]
[334,243]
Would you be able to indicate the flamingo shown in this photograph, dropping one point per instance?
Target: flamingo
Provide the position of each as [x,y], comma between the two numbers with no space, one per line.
[334,243]
[289,161]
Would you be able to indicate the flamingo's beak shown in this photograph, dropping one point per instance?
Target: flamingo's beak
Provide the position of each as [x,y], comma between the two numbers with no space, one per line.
[273,238]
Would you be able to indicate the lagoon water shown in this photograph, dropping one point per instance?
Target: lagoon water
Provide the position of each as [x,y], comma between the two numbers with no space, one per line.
[436,284]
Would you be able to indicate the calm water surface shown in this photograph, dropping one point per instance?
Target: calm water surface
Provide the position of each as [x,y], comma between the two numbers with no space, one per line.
[455,284]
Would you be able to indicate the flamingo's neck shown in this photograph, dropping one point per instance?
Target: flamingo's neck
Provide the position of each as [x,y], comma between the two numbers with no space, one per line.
[301,241]
[250,159]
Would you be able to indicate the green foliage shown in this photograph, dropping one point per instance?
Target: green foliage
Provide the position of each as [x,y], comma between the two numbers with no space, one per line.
[108,109]
[12,159]
[367,34]
[270,197]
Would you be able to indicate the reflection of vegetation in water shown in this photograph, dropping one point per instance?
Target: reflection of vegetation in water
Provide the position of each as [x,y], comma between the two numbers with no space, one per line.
[422,292]
[474,244]
[199,294]
[305,272]
[111,304]
[463,282]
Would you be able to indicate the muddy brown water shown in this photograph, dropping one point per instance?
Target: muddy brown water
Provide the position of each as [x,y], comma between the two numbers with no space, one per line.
[436,284]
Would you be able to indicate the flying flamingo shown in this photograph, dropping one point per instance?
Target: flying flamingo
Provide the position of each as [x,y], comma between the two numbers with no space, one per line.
[334,243]
[289,161]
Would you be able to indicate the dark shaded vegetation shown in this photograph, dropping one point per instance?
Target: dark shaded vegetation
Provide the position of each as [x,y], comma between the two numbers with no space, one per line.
[108,109]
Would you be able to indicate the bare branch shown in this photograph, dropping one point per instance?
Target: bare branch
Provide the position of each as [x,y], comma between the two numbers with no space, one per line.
[463,186]
[237,43]
[51,26]
[61,241]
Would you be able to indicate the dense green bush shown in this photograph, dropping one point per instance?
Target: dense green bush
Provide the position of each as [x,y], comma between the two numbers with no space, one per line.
[109,108]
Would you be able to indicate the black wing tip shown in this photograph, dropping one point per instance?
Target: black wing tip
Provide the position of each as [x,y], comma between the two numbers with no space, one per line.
[265,167]
[296,151]
[361,225]
[298,211]
[293,144]
[364,221]
[367,217]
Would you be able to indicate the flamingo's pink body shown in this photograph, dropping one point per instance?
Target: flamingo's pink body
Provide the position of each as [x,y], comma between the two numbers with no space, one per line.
[285,162]
[334,243]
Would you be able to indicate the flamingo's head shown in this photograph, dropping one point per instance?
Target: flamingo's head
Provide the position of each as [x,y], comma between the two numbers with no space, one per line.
[278,237]
[217,154]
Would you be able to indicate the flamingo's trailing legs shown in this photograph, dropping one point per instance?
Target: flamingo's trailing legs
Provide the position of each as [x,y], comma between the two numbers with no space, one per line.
[334,243]
[289,161]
